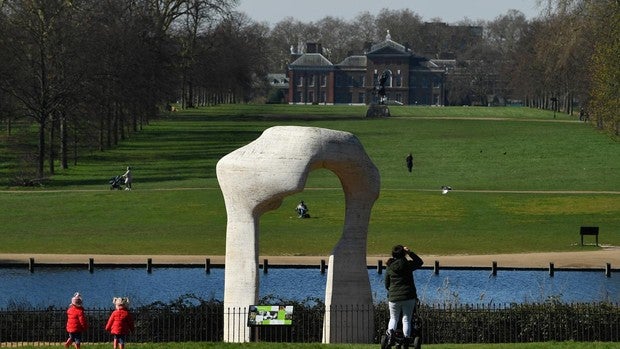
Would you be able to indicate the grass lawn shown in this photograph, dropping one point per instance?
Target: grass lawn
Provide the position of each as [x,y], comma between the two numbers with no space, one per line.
[522,181]
[550,345]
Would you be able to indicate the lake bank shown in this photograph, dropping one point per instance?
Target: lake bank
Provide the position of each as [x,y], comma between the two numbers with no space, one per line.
[578,260]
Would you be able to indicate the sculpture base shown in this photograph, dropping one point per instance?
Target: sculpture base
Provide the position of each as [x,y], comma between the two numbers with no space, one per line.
[377,110]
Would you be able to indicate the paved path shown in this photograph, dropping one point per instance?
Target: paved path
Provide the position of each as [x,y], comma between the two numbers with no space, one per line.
[587,259]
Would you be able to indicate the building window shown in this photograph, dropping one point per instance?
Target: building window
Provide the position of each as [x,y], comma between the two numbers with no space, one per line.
[311,80]
[361,97]
[362,80]
[311,97]
[399,81]
[300,81]
[436,82]
[323,80]
[300,97]
[399,97]
[323,97]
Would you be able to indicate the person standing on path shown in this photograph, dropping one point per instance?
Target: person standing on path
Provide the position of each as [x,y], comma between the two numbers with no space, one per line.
[402,293]
[76,322]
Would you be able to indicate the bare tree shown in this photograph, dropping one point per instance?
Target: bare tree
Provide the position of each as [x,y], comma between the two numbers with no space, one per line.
[196,19]
[38,79]
[232,80]
[287,35]
[404,26]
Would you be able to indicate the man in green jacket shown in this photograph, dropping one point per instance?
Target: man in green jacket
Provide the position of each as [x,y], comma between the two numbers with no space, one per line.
[402,294]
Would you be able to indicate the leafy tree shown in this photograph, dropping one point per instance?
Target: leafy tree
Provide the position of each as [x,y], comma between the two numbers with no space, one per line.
[605,68]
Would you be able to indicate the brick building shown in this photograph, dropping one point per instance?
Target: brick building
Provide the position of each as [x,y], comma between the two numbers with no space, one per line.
[412,79]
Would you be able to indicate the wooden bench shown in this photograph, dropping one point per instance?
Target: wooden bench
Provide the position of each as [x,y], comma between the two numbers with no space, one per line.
[588,231]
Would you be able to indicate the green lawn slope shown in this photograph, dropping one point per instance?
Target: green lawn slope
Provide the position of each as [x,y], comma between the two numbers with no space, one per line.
[522,181]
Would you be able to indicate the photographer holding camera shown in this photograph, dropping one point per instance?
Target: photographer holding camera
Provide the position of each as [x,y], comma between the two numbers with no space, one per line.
[402,294]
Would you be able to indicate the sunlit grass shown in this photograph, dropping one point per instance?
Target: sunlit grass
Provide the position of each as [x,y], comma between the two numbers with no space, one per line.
[513,186]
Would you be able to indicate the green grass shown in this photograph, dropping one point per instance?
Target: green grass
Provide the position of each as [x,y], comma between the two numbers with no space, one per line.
[186,345]
[309,111]
[514,172]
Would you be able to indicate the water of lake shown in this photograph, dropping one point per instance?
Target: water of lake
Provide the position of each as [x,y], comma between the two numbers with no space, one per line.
[55,286]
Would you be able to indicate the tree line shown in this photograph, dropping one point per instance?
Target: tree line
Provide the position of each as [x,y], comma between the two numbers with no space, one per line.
[567,59]
[88,73]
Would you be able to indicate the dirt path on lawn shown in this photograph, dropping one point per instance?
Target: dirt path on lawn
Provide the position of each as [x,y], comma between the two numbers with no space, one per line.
[586,259]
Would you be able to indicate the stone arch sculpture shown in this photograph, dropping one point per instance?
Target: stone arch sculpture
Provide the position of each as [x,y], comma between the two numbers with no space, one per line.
[255,179]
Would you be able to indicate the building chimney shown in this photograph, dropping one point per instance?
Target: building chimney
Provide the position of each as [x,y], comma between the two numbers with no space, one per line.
[367,46]
[311,47]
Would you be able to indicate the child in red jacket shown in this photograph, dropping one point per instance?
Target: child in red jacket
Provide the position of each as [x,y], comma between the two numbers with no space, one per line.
[76,321]
[120,322]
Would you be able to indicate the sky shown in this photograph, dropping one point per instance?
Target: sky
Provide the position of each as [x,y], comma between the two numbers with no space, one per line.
[450,11]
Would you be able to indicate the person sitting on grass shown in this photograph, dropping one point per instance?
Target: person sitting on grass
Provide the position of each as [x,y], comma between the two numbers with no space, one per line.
[302,210]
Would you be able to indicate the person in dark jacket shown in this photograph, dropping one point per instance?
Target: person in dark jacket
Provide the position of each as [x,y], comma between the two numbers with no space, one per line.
[402,294]
[409,161]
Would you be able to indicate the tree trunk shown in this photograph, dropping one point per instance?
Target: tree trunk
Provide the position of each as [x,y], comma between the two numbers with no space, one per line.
[102,129]
[121,121]
[52,153]
[114,126]
[75,145]
[63,143]
[41,159]
[184,90]
[190,94]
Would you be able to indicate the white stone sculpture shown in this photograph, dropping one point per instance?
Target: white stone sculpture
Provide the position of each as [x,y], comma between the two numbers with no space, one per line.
[255,178]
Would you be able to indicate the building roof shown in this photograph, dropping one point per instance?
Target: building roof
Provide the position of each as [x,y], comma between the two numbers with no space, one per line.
[387,46]
[312,59]
[354,61]
[277,80]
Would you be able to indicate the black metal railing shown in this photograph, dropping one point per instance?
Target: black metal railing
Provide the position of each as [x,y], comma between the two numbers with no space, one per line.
[511,323]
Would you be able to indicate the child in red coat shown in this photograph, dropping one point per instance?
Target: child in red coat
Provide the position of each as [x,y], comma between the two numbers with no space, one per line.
[120,322]
[76,321]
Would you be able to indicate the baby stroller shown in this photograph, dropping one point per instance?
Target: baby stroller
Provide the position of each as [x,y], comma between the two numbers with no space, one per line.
[116,183]
[397,338]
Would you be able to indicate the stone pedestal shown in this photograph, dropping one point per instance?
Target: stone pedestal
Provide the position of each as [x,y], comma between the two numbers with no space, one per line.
[377,111]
